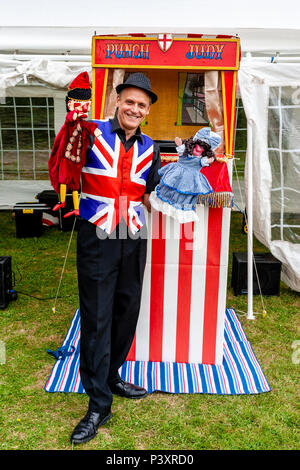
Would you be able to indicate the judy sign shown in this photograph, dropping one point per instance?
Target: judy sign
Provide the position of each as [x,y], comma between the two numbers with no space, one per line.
[207,51]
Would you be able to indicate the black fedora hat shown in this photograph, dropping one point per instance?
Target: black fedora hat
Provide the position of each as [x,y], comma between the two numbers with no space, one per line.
[138,80]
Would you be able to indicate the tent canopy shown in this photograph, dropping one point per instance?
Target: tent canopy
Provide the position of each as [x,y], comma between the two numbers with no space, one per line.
[174,14]
[264,27]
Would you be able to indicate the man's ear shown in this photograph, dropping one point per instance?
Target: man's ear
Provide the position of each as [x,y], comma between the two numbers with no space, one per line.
[148,109]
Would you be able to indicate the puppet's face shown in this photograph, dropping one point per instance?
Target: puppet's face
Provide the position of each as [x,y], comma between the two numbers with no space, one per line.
[81,107]
[198,150]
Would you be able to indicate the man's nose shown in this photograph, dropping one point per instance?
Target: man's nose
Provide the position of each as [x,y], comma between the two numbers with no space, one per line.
[135,108]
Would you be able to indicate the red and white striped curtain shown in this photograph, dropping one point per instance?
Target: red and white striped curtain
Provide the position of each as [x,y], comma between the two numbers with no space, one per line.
[184,293]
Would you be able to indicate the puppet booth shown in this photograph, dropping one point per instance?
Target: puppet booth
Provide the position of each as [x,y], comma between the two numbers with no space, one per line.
[183,304]
[186,340]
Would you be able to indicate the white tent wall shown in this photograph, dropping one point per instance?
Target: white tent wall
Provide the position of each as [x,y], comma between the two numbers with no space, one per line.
[21,190]
[34,77]
[45,71]
[275,166]
[39,92]
[40,78]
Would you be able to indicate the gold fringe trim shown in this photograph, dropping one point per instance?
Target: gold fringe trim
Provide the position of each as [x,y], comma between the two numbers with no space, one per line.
[216,200]
[168,157]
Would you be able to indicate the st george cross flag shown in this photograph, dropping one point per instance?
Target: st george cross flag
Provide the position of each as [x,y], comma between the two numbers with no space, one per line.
[165,41]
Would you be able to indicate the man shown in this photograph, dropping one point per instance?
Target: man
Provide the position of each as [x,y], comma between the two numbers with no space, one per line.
[120,172]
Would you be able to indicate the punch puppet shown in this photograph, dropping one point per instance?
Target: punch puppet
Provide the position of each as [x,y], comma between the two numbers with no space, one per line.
[68,153]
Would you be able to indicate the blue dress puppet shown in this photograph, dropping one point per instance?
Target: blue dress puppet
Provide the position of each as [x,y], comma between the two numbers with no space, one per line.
[182,182]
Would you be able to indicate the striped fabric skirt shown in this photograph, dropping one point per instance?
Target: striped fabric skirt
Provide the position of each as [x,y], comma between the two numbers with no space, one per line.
[239,373]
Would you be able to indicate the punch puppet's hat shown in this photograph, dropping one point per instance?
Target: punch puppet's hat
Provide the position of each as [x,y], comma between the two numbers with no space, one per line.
[80,88]
[207,135]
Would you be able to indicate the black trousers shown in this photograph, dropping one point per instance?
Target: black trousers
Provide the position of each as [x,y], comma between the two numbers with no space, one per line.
[110,276]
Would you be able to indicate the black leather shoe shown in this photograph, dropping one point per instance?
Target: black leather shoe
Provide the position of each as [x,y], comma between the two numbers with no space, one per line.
[128,390]
[87,428]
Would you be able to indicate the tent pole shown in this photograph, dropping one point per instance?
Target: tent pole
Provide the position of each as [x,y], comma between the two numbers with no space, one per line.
[250,315]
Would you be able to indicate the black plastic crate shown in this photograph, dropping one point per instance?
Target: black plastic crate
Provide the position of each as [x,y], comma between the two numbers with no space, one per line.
[28,217]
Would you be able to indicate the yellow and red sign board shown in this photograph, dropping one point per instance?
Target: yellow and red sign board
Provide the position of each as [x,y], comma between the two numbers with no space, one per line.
[164,51]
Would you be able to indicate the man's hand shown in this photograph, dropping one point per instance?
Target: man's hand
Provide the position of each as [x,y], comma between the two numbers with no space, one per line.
[145,201]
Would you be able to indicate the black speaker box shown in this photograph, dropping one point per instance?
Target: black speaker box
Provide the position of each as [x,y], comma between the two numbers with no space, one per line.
[5,281]
[268,272]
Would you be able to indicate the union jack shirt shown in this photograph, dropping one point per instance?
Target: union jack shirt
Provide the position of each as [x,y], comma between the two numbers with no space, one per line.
[113,180]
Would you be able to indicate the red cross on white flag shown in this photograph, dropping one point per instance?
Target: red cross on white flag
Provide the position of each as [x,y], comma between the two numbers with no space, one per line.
[165,41]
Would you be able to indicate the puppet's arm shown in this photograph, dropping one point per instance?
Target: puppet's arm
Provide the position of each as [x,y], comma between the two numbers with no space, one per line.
[180,147]
[205,161]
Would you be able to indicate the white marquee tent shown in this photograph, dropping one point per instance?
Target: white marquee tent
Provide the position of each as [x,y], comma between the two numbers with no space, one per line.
[44,45]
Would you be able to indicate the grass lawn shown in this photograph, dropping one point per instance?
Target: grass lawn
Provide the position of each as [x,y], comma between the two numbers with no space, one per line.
[31,419]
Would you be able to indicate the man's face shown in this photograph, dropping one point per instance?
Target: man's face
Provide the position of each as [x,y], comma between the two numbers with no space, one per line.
[133,106]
